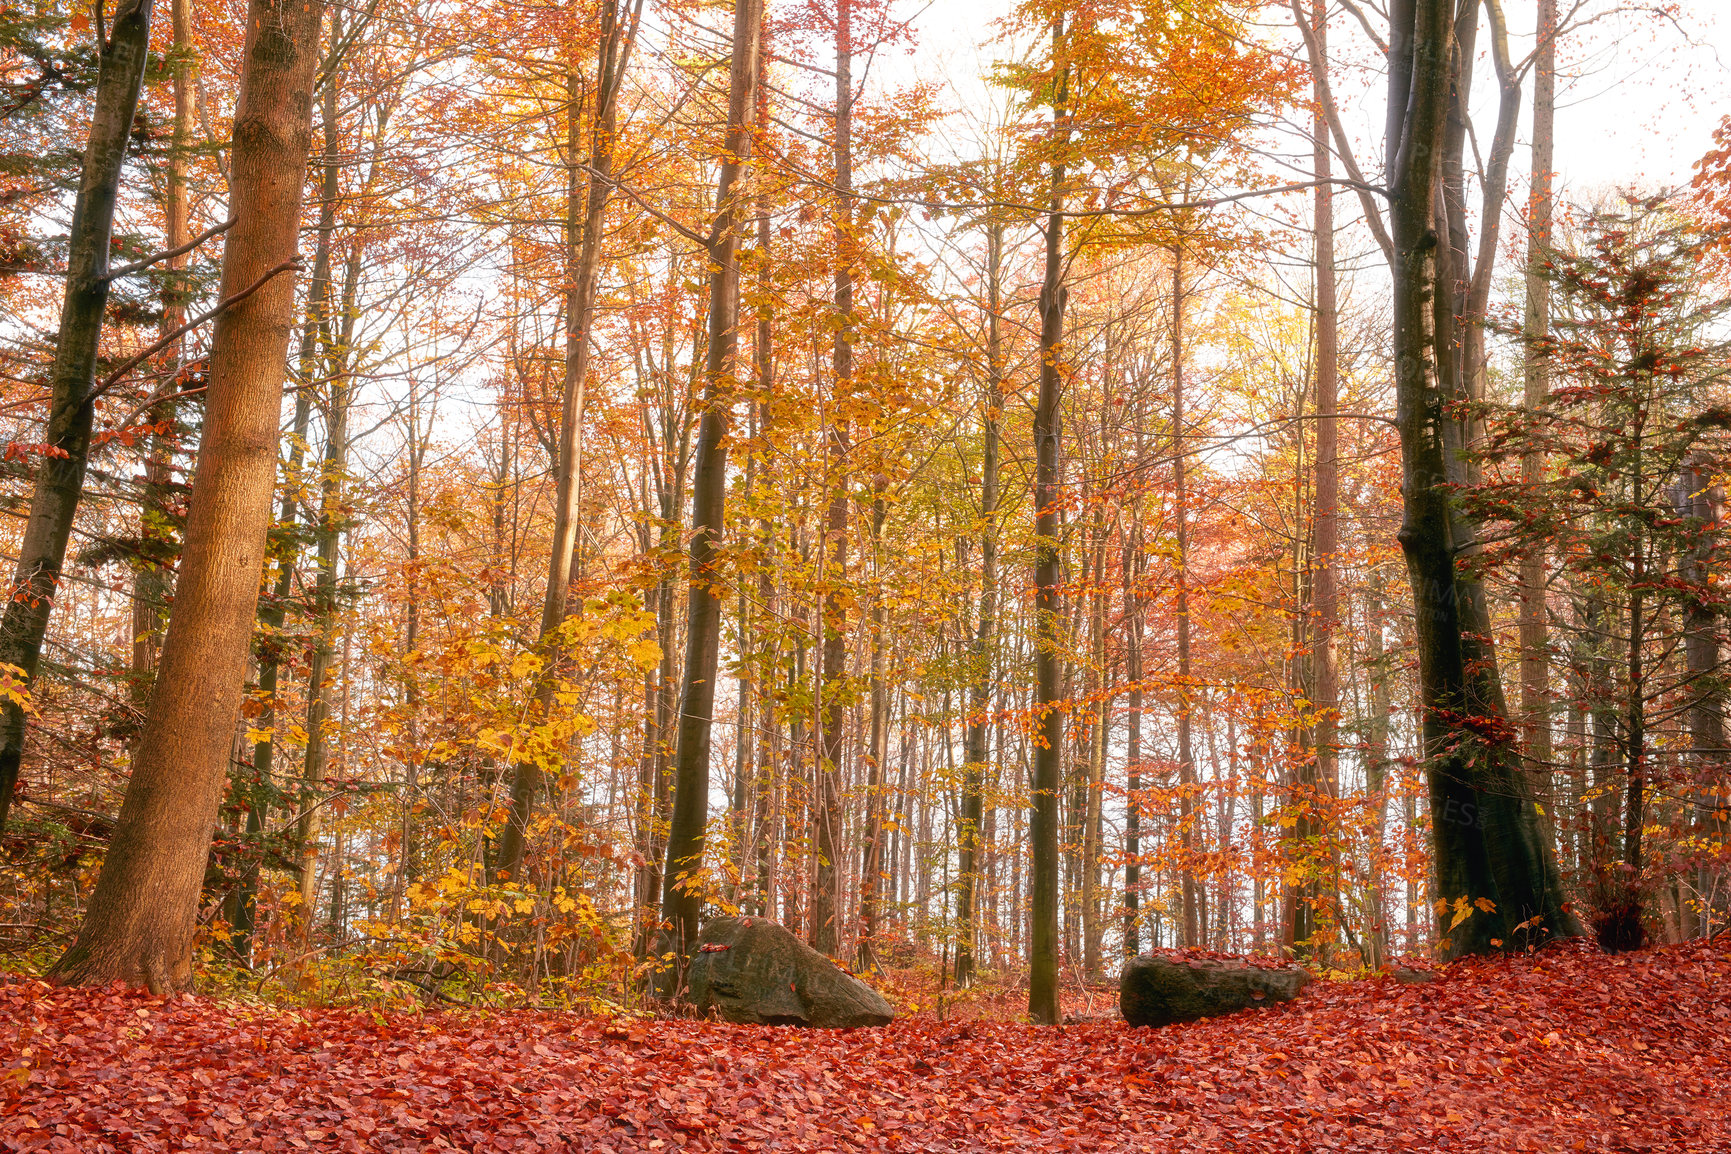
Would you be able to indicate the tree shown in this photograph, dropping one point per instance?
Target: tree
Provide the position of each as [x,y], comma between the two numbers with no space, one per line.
[827,820]
[64,453]
[585,217]
[1535,706]
[683,883]
[1630,420]
[139,925]
[1495,866]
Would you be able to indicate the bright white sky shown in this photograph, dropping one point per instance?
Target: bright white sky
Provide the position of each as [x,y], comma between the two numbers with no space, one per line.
[1638,101]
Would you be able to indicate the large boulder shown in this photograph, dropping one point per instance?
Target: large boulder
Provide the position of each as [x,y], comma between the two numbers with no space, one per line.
[1159,991]
[751,970]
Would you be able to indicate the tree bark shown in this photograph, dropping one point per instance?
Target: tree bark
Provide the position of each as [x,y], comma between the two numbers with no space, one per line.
[683,882]
[153,581]
[1703,499]
[139,925]
[871,861]
[1189,893]
[984,645]
[273,610]
[328,533]
[584,218]
[1133,740]
[1047,704]
[1319,779]
[1488,846]
[1534,631]
[71,407]
[835,640]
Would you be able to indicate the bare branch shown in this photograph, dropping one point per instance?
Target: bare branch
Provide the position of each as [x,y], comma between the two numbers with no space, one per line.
[140,265]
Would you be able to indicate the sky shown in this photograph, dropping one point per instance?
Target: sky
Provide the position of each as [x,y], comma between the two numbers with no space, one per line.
[1638,101]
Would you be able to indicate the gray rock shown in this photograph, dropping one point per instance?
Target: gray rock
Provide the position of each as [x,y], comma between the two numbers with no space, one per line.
[1158,992]
[751,970]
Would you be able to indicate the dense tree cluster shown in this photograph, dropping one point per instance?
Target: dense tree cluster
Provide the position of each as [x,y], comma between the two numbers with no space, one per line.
[489,488]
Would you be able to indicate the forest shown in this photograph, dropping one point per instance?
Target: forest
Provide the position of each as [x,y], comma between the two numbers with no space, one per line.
[526,517]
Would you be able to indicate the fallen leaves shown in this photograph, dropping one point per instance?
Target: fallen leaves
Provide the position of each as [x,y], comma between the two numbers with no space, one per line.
[1560,1051]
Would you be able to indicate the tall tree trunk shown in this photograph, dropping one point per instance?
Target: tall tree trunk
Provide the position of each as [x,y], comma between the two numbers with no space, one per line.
[139,925]
[768,657]
[1635,735]
[273,610]
[1189,893]
[683,882]
[1047,705]
[1133,739]
[584,217]
[1376,763]
[1703,499]
[1093,805]
[984,646]
[1535,707]
[1488,846]
[827,809]
[71,405]
[739,805]
[408,848]
[871,862]
[152,582]
[329,354]
[1320,778]
[328,534]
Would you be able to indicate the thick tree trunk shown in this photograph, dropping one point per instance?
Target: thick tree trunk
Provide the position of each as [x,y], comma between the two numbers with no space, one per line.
[139,925]
[71,407]
[683,881]
[1489,850]
[273,610]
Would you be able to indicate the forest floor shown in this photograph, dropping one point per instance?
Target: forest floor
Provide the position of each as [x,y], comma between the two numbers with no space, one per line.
[1565,1050]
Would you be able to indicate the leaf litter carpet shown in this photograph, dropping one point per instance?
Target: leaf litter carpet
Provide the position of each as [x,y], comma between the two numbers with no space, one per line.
[1566,1050]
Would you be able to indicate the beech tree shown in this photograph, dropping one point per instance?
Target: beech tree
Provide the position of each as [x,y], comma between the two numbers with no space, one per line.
[683,878]
[140,921]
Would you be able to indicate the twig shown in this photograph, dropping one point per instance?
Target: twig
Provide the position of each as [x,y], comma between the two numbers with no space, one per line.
[141,265]
[155,401]
[113,378]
